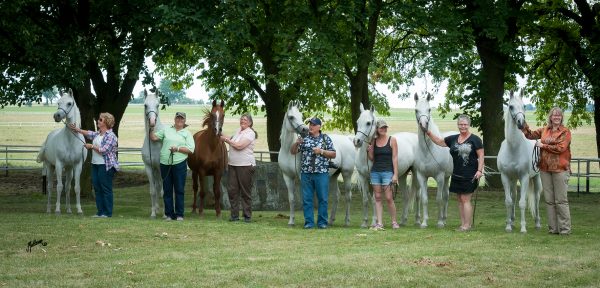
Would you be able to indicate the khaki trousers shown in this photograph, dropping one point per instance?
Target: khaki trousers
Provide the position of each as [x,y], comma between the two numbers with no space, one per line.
[555,186]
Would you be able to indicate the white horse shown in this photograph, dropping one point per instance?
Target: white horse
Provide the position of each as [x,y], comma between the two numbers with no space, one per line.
[151,151]
[407,143]
[290,164]
[432,161]
[515,164]
[64,149]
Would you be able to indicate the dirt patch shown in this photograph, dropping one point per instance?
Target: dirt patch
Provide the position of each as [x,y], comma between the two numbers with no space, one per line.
[23,182]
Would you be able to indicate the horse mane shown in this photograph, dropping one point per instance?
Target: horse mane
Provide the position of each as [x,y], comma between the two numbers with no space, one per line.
[207,117]
[285,136]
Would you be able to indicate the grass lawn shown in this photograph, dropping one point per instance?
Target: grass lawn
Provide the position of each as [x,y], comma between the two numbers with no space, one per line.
[132,250]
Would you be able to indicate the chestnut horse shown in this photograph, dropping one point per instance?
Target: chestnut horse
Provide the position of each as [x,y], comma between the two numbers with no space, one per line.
[209,158]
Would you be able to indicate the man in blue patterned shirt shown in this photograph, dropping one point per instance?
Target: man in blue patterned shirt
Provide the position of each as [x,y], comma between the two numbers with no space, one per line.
[316,150]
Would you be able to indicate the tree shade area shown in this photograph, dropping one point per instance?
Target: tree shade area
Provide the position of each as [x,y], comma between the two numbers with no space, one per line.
[328,55]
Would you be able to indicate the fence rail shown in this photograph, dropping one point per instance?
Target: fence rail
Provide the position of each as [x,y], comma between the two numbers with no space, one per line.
[23,157]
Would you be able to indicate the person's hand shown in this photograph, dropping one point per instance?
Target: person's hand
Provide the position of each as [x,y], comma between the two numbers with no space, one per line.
[370,148]
[394,179]
[224,138]
[89,146]
[539,144]
[73,127]
[173,149]
[299,140]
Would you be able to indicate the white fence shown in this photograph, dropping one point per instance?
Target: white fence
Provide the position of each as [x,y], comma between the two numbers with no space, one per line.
[23,157]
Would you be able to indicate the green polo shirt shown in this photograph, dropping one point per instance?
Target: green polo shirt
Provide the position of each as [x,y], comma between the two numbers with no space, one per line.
[171,137]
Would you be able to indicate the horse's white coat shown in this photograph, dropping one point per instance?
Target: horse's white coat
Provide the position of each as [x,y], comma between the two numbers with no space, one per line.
[432,161]
[151,151]
[514,163]
[64,150]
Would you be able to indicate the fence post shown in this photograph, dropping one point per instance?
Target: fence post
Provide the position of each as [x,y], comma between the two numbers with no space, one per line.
[587,176]
[6,160]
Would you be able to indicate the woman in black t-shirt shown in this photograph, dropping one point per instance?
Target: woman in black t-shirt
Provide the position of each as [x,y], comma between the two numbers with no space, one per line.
[467,155]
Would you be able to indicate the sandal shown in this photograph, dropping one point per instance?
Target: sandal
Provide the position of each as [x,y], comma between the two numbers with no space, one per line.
[377,227]
[395,225]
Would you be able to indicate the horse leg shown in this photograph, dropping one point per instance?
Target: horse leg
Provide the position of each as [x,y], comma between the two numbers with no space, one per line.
[403,187]
[364,187]
[537,190]
[49,184]
[152,186]
[348,190]
[203,188]
[194,190]
[508,201]
[424,200]
[334,187]
[59,186]
[523,201]
[442,200]
[290,183]
[77,178]
[67,188]
[217,193]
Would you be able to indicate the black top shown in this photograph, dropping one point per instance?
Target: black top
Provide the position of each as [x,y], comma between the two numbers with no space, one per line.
[382,157]
[464,155]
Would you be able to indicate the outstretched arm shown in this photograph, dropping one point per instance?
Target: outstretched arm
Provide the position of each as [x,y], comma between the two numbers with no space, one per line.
[436,139]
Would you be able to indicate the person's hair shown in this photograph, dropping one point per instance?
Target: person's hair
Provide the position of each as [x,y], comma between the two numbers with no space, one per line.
[560,111]
[109,119]
[251,123]
[463,117]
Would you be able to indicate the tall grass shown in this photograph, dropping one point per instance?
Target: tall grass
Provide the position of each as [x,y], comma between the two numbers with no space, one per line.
[207,252]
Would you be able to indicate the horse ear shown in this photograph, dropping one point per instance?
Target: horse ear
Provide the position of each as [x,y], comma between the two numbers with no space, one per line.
[70,92]
[290,105]
[145,93]
[372,109]
[214,103]
[512,94]
[429,96]
[416,96]
[222,103]
[521,94]
[362,109]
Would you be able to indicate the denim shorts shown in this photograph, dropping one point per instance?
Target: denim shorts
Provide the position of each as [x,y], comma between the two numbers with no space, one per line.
[381,178]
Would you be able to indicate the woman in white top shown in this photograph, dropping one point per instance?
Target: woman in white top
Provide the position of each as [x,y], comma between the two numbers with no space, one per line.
[241,168]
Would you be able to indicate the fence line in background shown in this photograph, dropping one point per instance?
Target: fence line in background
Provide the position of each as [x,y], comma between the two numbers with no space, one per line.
[262,156]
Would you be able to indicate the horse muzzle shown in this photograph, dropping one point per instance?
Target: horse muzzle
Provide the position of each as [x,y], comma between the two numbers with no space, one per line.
[358,143]
[57,117]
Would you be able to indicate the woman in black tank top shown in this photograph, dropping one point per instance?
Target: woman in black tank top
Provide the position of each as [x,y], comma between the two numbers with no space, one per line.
[383,151]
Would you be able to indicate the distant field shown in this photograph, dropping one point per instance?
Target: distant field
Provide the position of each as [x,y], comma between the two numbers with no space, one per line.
[30,125]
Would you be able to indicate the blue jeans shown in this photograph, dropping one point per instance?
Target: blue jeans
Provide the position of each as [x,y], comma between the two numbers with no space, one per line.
[102,181]
[174,179]
[382,178]
[319,183]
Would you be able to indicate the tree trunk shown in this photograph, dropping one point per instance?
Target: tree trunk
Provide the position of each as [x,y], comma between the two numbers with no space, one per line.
[275,111]
[85,102]
[596,97]
[491,87]
[359,94]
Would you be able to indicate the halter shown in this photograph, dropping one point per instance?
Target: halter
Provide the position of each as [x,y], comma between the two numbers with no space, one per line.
[427,117]
[514,116]
[370,129]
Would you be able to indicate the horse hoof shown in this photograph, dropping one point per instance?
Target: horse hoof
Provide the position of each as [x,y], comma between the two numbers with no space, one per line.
[423,226]
[291,224]
[363,225]
[441,225]
[508,230]
[152,216]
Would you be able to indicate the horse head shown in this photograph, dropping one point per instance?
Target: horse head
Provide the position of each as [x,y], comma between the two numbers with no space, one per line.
[65,110]
[517,109]
[423,111]
[365,126]
[151,103]
[217,116]
[293,120]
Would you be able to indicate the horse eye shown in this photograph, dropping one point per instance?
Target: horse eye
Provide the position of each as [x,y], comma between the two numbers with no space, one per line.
[429,110]
[69,104]
[511,107]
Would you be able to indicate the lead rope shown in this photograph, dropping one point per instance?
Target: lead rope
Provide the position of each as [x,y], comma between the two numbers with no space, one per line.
[535,159]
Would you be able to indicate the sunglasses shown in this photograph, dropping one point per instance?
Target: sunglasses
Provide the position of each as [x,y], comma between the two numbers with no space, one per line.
[100,119]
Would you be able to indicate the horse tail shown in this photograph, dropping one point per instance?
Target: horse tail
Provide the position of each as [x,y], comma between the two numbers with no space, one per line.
[531,199]
[41,154]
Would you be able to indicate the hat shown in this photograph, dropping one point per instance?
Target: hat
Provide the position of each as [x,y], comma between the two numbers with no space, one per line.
[381,123]
[180,114]
[315,121]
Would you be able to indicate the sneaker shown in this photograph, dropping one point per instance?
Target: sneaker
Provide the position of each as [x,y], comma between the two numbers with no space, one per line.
[309,226]
[247,219]
[102,216]
[234,219]
[168,219]
[179,218]
[323,226]
[395,225]
[377,227]
[96,216]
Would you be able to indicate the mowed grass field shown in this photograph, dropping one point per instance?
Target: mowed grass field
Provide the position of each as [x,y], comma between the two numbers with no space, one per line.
[132,250]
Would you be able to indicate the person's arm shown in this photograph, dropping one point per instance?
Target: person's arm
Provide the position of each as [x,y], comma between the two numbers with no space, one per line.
[436,139]
[330,151]
[76,129]
[237,145]
[109,142]
[394,145]
[370,153]
[153,136]
[480,163]
[562,143]
[530,134]
[294,149]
